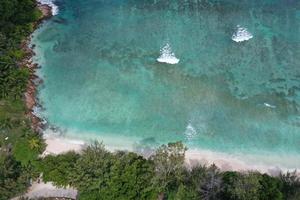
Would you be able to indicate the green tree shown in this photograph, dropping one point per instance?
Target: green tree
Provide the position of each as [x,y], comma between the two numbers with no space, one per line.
[13,178]
[59,168]
[16,18]
[270,188]
[34,143]
[129,178]
[239,186]
[185,193]
[92,170]
[212,184]
[291,185]
[6,124]
[169,167]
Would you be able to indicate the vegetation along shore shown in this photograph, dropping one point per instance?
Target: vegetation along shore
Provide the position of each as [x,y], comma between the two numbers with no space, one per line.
[95,172]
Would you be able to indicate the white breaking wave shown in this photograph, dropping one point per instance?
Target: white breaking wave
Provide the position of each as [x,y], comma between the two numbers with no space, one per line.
[37,111]
[241,34]
[269,105]
[190,131]
[54,8]
[167,56]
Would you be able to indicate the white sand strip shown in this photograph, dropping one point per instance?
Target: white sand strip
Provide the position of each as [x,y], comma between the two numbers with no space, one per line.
[58,145]
[46,190]
[271,164]
[264,163]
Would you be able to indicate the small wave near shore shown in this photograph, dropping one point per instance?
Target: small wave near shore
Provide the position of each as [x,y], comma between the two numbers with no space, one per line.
[50,3]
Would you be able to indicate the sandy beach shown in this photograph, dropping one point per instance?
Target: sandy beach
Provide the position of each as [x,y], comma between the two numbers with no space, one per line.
[58,145]
[48,190]
[226,162]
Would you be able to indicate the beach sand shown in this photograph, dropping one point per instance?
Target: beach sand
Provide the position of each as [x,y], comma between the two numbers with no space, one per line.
[58,145]
[47,190]
[226,162]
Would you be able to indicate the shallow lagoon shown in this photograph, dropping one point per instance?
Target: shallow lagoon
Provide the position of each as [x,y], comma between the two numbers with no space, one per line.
[102,78]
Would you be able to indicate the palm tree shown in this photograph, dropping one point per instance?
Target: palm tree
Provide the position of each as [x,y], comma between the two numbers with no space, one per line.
[34,143]
[6,124]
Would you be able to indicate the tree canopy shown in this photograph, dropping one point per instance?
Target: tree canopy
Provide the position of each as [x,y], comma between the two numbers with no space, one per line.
[100,174]
[19,145]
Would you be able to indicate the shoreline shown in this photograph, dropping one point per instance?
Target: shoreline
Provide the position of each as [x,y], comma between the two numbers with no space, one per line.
[58,145]
[224,161]
[31,91]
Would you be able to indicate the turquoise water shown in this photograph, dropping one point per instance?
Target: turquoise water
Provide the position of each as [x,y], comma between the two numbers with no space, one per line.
[102,79]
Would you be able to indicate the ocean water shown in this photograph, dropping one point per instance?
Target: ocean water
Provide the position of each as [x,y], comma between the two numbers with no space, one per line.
[219,75]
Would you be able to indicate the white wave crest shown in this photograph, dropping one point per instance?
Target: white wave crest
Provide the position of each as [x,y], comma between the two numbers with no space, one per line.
[269,105]
[54,8]
[241,34]
[37,111]
[167,56]
[190,131]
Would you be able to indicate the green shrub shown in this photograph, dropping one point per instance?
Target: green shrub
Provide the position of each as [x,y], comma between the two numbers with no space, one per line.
[58,168]
[14,178]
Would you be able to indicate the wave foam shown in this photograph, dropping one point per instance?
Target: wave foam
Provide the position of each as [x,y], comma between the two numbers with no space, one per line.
[241,34]
[54,8]
[167,56]
[269,105]
[190,131]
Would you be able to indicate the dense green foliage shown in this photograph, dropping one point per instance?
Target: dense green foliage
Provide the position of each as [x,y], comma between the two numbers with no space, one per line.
[13,178]
[16,23]
[99,174]
[62,167]
[19,145]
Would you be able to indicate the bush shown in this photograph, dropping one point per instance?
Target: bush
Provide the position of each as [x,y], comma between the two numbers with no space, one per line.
[59,168]
[271,188]
[13,177]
